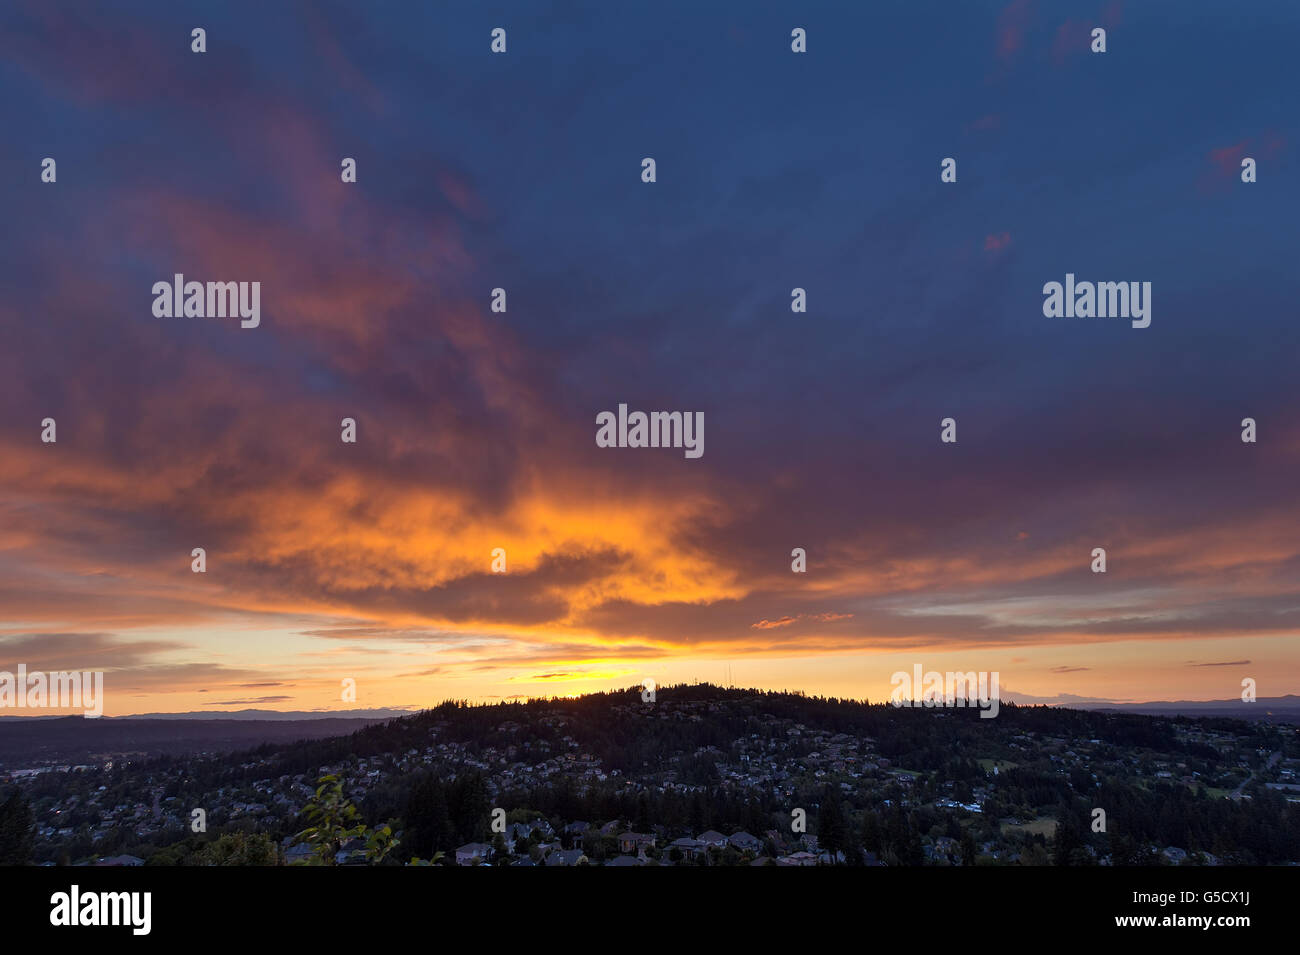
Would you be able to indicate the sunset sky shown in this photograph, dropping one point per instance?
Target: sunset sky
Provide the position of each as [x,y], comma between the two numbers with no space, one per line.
[371,561]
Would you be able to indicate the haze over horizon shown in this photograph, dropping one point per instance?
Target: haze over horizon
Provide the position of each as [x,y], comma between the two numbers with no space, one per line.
[1266,706]
[371,561]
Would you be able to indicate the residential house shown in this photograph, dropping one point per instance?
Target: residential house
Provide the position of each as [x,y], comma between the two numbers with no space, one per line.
[567,857]
[636,842]
[353,852]
[472,853]
[298,853]
[713,839]
[744,842]
[689,848]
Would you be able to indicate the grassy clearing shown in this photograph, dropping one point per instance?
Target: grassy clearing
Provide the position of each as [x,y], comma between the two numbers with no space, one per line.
[1039,827]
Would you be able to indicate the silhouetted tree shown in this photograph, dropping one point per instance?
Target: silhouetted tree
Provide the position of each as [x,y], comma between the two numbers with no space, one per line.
[16,824]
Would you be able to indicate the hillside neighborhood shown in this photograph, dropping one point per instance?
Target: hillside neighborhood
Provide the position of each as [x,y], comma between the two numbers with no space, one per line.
[704,777]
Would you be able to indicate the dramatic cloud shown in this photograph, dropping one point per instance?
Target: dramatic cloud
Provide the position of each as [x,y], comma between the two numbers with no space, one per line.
[331,561]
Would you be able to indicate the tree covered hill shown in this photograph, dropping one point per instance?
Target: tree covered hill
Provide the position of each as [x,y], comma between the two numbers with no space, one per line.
[907,785]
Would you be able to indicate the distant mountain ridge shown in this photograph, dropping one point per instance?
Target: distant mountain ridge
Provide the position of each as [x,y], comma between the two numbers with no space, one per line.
[27,742]
[1274,709]
[74,740]
[380,713]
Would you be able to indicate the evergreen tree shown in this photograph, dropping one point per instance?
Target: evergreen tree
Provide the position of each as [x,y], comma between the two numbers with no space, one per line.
[968,851]
[872,833]
[832,826]
[16,836]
